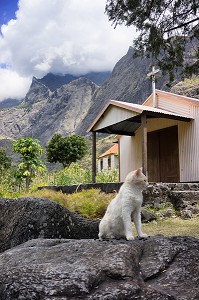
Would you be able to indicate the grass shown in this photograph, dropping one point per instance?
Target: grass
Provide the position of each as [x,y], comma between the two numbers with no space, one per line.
[173,227]
[90,203]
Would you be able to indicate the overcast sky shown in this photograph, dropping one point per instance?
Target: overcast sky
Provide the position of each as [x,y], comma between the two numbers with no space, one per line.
[58,36]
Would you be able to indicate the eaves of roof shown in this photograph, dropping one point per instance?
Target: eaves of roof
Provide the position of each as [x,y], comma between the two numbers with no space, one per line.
[129,126]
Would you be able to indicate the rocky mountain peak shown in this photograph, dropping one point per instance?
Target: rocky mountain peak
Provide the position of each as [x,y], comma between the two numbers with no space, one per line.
[37,92]
[61,111]
[55,81]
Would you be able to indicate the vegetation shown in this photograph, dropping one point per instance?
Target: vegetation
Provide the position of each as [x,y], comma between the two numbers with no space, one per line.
[30,162]
[5,161]
[74,174]
[89,203]
[187,87]
[173,227]
[165,29]
[66,150]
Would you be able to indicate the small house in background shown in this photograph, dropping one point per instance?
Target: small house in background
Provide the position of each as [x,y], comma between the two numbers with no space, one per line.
[109,159]
[162,136]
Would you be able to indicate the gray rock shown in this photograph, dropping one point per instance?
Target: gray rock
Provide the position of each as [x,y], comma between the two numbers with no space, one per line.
[23,219]
[182,199]
[168,213]
[158,268]
[156,194]
[147,216]
[193,209]
[186,214]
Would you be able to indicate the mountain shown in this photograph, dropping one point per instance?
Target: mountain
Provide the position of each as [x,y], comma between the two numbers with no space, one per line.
[50,82]
[55,81]
[128,82]
[37,92]
[44,113]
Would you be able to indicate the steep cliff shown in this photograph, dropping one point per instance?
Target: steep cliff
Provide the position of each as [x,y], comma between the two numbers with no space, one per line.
[44,113]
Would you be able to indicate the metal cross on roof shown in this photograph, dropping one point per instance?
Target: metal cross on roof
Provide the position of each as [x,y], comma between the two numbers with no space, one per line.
[152,75]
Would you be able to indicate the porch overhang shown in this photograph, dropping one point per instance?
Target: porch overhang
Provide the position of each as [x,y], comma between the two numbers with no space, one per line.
[129,125]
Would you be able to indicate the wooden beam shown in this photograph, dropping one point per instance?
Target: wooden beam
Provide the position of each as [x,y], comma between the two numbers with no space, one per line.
[144,142]
[93,157]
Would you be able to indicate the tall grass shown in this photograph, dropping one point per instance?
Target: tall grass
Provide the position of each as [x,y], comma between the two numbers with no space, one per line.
[90,203]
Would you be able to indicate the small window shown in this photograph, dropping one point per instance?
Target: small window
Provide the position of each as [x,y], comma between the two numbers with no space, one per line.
[101,164]
[109,162]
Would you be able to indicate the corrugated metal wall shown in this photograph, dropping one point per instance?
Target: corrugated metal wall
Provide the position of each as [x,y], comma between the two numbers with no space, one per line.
[188,137]
[189,147]
[167,103]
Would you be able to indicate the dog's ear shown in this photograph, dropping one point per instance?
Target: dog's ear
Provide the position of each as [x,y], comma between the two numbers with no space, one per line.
[138,172]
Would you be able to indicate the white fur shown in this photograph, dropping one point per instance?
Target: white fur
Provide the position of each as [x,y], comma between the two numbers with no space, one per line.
[116,222]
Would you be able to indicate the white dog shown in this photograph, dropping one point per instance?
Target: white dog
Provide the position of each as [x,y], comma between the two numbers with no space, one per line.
[116,222]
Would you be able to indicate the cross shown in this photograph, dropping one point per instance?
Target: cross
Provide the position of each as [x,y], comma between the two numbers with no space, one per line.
[152,75]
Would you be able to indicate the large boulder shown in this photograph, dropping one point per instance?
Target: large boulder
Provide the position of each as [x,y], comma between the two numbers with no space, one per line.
[158,268]
[27,218]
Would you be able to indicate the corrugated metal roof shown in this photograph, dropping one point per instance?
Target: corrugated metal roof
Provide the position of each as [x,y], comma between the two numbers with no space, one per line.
[130,125]
[141,108]
[112,150]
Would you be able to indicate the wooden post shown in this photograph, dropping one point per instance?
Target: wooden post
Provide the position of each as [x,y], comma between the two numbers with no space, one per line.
[144,142]
[94,157]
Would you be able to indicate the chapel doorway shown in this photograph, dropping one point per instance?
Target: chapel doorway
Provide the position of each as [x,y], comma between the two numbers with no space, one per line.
[163,155]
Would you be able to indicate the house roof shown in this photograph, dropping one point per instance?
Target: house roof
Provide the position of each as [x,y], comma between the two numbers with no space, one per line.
[112,150]
[125,118]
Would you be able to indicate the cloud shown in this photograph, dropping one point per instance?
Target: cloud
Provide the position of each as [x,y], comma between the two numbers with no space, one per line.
[62,36]
[13,85]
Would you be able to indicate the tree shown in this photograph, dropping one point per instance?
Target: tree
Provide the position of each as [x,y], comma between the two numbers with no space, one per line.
[66,150]
[5,161]
[30,162]
[165,29]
